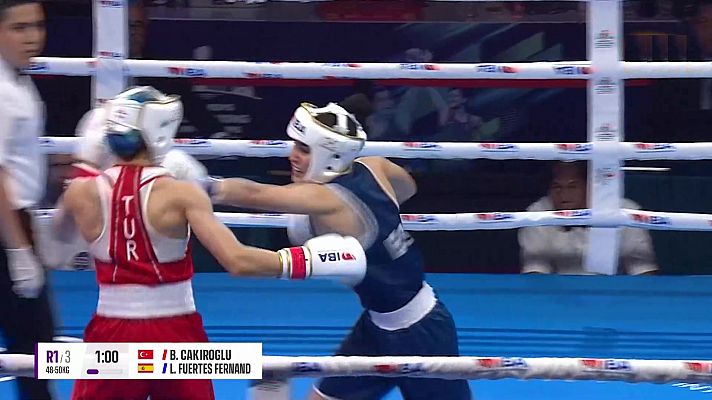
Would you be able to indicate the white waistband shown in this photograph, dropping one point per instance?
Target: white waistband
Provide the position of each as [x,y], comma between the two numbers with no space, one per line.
[142,301]
[417,308]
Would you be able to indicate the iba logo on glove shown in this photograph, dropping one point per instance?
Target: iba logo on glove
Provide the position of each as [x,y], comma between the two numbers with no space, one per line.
[336,256]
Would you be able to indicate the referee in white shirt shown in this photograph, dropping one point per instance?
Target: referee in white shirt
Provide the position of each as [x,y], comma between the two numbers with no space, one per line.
[561,250]
[25,314]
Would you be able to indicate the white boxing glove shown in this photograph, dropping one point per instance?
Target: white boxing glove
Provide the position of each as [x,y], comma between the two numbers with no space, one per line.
[328,256]
[62,247]
[93,153]
[26,273]
[185,167]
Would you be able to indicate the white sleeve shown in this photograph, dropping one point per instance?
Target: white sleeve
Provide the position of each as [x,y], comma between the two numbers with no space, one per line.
[637,254]
[533,244]
[6,125]
[59,251]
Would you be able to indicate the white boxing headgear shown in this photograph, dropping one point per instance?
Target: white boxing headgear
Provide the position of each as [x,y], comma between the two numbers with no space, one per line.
[333,135]
[92,147]
[146,113]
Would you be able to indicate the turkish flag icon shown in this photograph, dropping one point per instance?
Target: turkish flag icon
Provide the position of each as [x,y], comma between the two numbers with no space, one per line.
[145,354]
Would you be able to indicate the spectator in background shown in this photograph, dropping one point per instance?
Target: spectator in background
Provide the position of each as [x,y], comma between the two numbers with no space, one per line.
[196,110]
[561,249]
[456,124]
[680,110]
[138,23]
[382,123]
[701,28]
[403,111]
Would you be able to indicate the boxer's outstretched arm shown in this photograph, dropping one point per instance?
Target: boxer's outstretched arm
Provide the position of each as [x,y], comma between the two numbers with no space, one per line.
[234,256]
[295,198]
[298,198]
[301,262]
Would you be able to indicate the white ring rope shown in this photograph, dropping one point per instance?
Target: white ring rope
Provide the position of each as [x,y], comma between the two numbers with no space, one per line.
[653,371]
[495,220]
[435,150]
[351,70]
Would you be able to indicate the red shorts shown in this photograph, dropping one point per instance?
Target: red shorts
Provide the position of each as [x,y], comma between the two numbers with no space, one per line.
[184,328]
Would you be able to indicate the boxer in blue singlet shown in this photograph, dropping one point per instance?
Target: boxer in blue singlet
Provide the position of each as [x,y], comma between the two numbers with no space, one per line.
[333,192]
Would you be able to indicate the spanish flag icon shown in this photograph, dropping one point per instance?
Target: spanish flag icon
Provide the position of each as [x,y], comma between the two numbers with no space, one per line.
[145,368]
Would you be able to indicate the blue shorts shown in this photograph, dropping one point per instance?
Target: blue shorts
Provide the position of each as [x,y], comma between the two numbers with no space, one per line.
[434,335]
